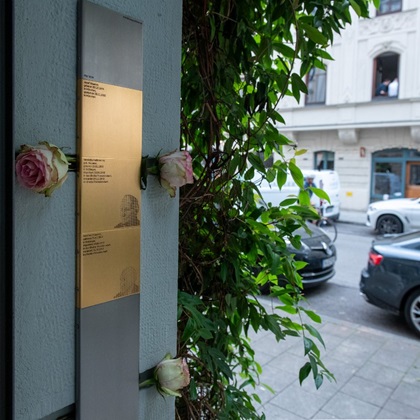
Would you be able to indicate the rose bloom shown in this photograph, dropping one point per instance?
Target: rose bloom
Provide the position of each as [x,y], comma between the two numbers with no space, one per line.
[175,170]
[172,375]
[41,168]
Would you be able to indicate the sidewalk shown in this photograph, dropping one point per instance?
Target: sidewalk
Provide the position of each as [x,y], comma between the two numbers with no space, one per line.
[377,374]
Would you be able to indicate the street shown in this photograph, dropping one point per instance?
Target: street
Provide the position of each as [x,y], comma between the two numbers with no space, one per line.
[340,298]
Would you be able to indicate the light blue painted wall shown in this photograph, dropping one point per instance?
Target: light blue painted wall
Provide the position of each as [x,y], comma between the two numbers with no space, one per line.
[45,230]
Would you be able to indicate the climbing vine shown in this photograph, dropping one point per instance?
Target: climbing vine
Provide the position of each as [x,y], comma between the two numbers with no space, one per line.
[240,59]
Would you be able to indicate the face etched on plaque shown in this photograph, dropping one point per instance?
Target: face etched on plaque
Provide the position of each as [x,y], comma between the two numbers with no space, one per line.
[129,211]
[128,283]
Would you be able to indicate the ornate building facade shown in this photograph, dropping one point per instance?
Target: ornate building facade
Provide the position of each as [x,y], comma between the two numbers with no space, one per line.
[361,116]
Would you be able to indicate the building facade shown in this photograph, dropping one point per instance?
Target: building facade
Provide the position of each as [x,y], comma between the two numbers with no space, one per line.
[361,116]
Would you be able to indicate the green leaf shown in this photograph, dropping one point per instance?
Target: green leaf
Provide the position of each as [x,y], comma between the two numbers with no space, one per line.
[256,162]
[207,335]
[281,178]
[285,50]
[193,390]
[315,333]
[296,174]
[321,194]
[356,8]
[300,84]
[324,54]
[312,315]
[304,371]
[256,398]
[289,309]
[300,152]
[318,381]
[314,34]
[308,345]
[304,198]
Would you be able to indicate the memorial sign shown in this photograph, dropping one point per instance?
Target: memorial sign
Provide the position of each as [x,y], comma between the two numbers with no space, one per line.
[109,149]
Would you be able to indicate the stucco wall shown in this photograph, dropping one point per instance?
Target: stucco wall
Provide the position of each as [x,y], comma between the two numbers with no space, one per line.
[45,230]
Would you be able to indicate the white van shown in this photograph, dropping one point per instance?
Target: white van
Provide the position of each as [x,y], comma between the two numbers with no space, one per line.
[272,194]
[326,180]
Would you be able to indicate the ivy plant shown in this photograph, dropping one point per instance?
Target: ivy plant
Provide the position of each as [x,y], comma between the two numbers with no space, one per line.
[240,59]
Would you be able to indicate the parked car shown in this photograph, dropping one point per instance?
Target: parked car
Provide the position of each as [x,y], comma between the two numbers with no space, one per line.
[320,254]
[391,279]
[394,216]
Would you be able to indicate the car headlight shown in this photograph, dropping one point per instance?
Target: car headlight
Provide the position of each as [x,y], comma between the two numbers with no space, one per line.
[372,208]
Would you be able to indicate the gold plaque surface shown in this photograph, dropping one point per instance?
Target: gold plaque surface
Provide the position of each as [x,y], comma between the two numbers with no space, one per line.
[109,192]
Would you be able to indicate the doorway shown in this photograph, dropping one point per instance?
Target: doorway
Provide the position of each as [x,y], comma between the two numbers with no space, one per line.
[412,180]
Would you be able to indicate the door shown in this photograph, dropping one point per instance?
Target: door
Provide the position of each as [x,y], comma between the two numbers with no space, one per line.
[412,182]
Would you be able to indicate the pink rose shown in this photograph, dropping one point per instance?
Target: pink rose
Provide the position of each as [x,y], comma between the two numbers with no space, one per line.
[175,170]
[41,168]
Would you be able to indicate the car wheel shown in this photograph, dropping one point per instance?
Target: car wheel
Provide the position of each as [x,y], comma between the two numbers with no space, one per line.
[412,311]
[389,224]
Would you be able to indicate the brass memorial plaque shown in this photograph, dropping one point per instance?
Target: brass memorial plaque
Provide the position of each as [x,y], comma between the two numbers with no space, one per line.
[109,194]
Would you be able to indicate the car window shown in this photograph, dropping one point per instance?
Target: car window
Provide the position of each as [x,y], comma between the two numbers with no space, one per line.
[415,246]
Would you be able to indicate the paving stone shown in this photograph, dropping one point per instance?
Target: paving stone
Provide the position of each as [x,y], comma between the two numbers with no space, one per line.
[327,389]
[401,410]
[413,375]
[299,402]
[367,390]
[399,361]
[277,379]
[407,394]
[344,406]
[363,343]
[342,371]
[353,355]
[382,374]
[262,357]
[403,346]
[370,334]
[289,362]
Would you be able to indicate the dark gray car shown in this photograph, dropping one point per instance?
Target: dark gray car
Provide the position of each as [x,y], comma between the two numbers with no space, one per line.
[391,279]
[319,253]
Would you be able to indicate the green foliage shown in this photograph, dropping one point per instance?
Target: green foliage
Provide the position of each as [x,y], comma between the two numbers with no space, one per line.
[238,62]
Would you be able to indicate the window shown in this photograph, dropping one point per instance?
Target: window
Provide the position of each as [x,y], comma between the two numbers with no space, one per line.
[324,160]
[386,76]
[389,6]
[395,173]
[316,86]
